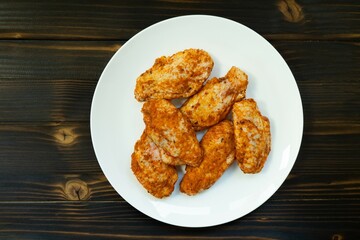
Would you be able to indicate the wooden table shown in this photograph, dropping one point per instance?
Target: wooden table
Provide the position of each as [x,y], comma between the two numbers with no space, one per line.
[51,56]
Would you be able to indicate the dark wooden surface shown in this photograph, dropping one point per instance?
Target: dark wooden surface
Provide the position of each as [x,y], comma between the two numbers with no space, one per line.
[51,56]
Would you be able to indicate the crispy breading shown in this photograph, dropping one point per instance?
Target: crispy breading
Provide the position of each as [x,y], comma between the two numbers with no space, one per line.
[171,131]
[180,75]
[219,153]
[157,177]
[166,158]
[214,101]
[252,136]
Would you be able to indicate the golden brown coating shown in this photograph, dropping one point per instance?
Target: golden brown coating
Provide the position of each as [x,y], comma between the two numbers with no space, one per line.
[171,131]
[214,101]
[219,153]
[252,136]
[166,158]
[180,75]
[157,177]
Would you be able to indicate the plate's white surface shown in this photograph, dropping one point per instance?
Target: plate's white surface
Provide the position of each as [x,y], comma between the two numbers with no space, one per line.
[116,120]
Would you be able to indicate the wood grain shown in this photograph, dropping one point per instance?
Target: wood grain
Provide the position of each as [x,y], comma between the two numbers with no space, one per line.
[299,186]
[120,20]
[118,220]
[52,152]
[61,89]
[56,60]
[64,187]
[56,162]
[56,148]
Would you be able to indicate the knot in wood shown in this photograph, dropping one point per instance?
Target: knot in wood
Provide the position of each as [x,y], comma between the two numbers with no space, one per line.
[76,190]
[291,10]
[65,136]
[337,237]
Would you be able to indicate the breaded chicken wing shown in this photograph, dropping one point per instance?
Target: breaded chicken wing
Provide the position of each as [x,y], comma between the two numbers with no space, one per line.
[180,75]
[157,177]
[171,131]
[214,101]
[252,136]
[219,153]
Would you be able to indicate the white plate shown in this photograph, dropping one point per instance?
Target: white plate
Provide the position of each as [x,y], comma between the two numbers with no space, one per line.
[116,120]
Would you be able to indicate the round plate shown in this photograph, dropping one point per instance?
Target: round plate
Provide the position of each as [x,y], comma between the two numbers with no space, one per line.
[117,123]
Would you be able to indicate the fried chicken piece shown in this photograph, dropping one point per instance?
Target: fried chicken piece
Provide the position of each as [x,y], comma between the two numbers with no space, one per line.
[180,75]
[252,136]
[171,131]
[157,177]
[214,101]
[219,153]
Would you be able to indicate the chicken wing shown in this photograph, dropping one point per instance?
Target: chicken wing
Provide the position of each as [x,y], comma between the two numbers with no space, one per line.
[214,101]
[180,75]
[171,131]
[252,136]
[219,153]
[157,177]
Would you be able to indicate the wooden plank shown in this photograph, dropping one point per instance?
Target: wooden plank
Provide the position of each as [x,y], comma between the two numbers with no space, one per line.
[67,149]
[50,80]
[56,162]
[38,100]
[79,220]
[328,154]
[55,148]
[94,187]
[54,81]
[85,60]
[55,100]
[29,187]
[56,60]
[281,19]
